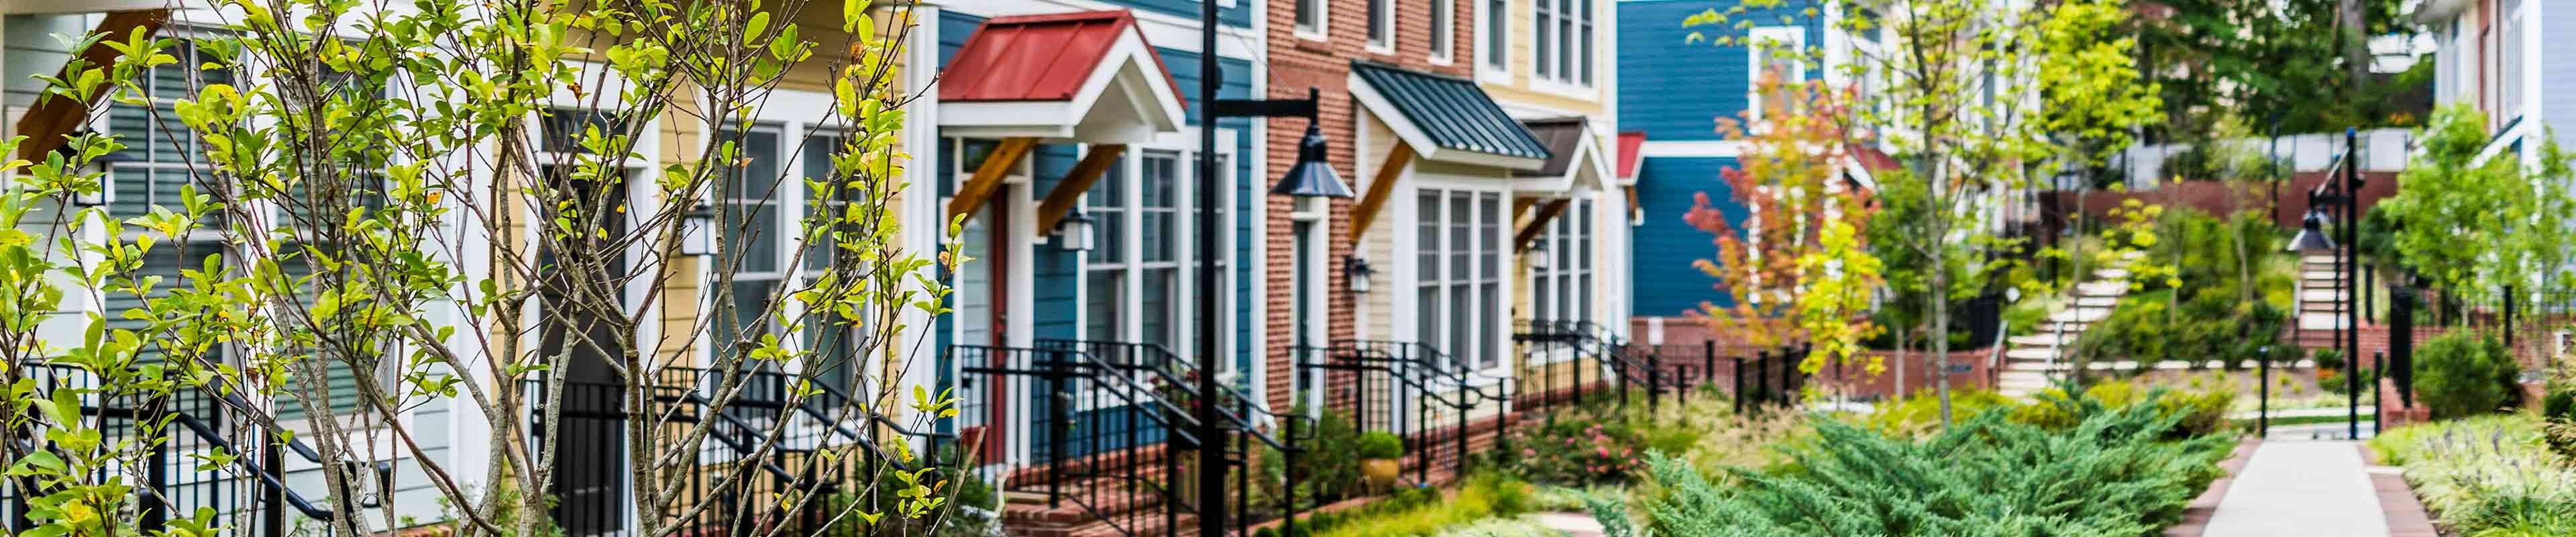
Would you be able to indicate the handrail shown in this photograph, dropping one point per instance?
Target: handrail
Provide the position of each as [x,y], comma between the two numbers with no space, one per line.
[1126,385]
[830,423]
[1429,359]
[1183,381]
[215,439]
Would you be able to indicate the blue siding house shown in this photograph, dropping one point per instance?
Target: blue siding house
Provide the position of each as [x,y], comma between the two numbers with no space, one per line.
[1676,82]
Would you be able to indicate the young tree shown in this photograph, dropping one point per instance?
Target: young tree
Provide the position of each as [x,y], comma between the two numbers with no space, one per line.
[457,208]
[1790,182]
[1957,105]
[2479,225]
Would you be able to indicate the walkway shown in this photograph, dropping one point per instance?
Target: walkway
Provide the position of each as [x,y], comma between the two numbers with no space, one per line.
[2296,487]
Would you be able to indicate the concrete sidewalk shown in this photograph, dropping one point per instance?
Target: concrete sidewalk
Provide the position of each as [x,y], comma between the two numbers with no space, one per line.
[2293,487]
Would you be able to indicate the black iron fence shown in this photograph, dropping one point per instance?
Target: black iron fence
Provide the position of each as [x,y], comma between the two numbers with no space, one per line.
[782,455]
[177,436]
[1410,389]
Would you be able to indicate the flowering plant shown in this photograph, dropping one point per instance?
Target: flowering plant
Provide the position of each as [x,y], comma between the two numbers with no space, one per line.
[1578,452]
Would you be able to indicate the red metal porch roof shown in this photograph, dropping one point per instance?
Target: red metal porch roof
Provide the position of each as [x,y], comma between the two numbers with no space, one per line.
[1039,57]
[1629,144]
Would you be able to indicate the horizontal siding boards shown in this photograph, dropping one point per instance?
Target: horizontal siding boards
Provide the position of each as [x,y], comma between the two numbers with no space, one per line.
[954,28]
[1058,271]
[1666,246]
[1184,66]
[1238,15]
[1675,90]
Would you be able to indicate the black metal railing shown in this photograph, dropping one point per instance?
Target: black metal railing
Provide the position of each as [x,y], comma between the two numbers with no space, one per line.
[1407,388]
[1769,378]
[178,432]
[1595,355]
[1251,428]
[777,457]
[1099,433]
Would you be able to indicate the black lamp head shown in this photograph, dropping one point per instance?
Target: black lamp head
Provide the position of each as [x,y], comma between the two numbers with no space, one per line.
[1312,176]
[2312,235]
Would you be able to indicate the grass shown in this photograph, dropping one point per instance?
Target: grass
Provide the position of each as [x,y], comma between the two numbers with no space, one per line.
[1484,496]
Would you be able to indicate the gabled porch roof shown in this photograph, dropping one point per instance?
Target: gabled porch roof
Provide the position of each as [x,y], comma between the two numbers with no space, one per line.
[1086,77]
[1575,160]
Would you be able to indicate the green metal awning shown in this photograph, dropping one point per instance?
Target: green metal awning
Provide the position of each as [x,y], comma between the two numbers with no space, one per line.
[1445,117]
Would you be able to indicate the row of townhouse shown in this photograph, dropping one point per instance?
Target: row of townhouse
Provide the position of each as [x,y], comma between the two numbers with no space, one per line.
[1486,250]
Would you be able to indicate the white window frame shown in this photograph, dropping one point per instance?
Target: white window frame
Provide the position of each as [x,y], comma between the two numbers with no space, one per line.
[1492,250]
[1182,149]
[1758,46]
[1493,42]
[1323,24]
[1560,68]
[1381,20]
[1444,31]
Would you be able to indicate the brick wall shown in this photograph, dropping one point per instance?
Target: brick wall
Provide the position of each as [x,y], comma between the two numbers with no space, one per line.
[1295,64]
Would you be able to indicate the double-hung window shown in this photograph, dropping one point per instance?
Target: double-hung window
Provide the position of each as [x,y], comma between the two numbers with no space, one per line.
[1495,23]
[1777,51]
[1443,23]
[1458,244]
[1310,19]
[1564,33]
[1381,25]
[1562,289]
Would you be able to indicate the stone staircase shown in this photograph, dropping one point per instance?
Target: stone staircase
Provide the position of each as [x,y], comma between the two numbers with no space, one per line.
[2030,361]
[2321,294]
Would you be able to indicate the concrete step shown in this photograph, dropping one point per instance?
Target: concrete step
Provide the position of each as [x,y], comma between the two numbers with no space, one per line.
[2082,315]
[2327,275]
[2323,322]
[2043,339]
[2111,274]
[2322,295]
[2037,354]
[2114,289]
[2096,301]
[2317,259]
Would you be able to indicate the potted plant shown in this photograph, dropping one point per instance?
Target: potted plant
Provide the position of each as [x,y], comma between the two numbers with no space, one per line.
[1378,453]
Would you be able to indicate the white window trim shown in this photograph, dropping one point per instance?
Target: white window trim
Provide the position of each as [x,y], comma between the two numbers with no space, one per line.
[1385,41]
[1566,79]
[1758,44]
[1414,275]
[1182,147]
[1444,14]
[1322,31]
[1487,56]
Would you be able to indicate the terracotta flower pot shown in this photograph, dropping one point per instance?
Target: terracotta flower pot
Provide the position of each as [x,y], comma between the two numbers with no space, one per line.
[1381,473]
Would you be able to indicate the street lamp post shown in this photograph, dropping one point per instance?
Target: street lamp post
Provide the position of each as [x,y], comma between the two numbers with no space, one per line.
[1312,176]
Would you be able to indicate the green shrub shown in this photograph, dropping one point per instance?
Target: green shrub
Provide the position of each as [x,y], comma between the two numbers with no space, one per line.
[1426,511]
[2327,358]
[2486,475]
[2464,374]
[1328,471]
[1380,445]
[2110,474]
[1576,451]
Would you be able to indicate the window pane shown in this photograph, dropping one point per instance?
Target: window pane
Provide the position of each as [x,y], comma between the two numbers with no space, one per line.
[1490,213]
[1498,33]
[1427,325]
[1426,245]
[1487,326]
[1100,305]
[1440,21]
[1158,305]
[1161,211]
[1308,17]
[1546,27]
[1377,21]
[1586,59]
[822,207]
[1108,204]
[1565,39]
[1461,236]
